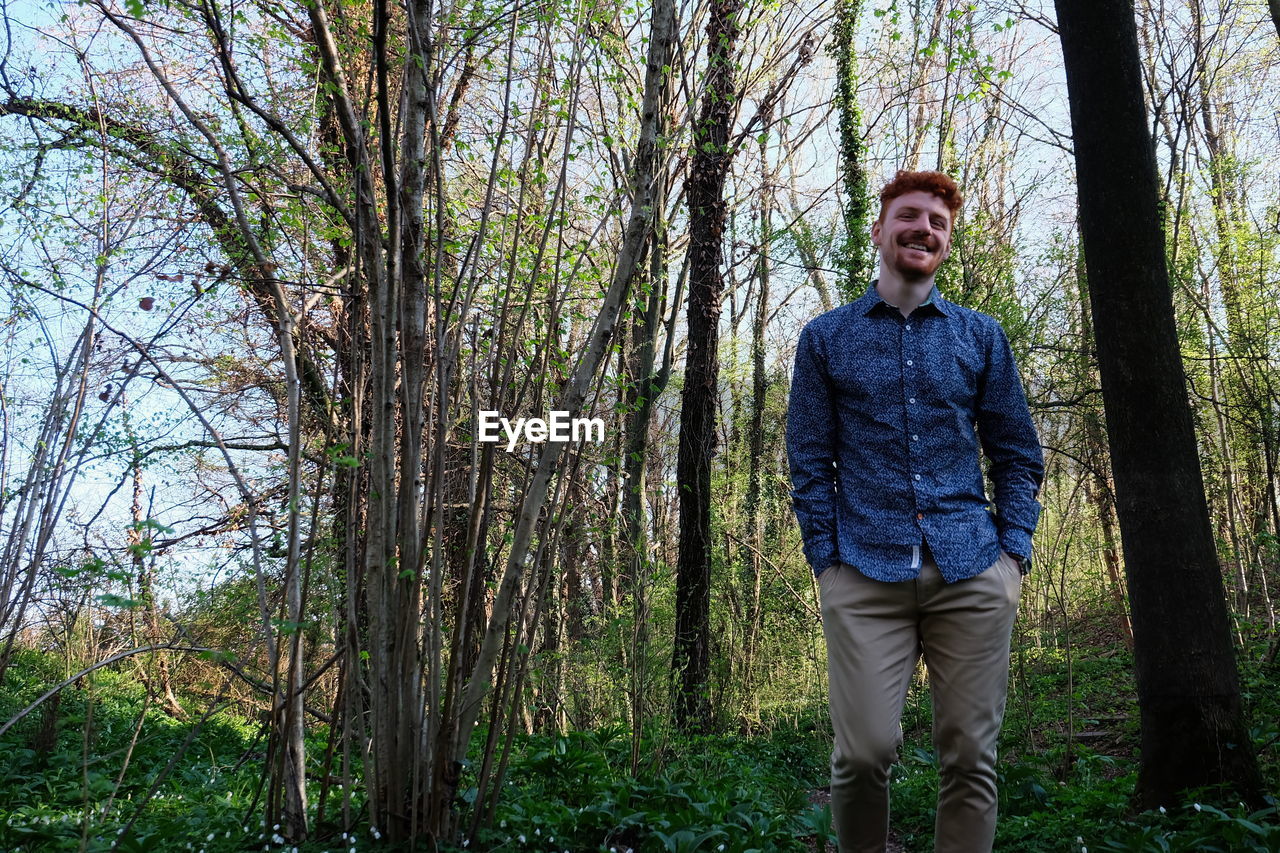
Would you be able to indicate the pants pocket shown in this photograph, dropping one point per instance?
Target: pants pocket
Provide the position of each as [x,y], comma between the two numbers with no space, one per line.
[1011,573]
[827,578]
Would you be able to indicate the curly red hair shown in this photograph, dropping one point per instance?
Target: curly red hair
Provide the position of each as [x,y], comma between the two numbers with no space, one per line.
[935,183]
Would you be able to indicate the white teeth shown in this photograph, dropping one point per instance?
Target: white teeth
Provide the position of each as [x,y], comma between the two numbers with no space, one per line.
[919,246]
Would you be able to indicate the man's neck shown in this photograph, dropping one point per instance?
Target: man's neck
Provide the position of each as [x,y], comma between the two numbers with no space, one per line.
[906,296]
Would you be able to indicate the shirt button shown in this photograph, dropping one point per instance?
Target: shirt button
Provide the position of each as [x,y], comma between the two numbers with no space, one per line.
[908,327]
[915,438]
[908,362]
[911,400]
[917,476]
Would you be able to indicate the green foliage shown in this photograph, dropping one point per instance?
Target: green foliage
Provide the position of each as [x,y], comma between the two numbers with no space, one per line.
[1058,796]
[63,783]
[573,791]
[717,793]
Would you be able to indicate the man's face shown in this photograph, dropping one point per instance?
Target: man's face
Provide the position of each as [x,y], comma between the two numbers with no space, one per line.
[913,235]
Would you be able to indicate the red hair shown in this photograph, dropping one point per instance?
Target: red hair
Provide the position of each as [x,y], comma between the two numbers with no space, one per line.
[934,183]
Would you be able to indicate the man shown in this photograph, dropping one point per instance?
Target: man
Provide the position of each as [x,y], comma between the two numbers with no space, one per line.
[893,395]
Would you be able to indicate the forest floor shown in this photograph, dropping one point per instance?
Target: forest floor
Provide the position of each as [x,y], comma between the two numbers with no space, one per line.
[1068,766]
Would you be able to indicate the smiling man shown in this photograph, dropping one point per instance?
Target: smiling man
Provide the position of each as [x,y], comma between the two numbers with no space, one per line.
[894,400]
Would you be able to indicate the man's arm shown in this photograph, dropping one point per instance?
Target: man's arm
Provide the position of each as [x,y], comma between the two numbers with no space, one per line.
[811,443]
[1009,440]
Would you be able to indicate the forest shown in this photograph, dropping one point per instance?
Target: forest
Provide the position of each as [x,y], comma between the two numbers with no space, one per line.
[393,414]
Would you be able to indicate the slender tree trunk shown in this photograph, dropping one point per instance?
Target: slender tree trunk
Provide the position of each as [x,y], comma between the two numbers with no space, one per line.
[857,251]
[919,86]
[641,395]
[752,528]
[691,658]
[1193,730]
[145,570]
[593,355]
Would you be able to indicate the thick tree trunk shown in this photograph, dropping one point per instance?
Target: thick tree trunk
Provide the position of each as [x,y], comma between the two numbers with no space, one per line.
[1193,731]
[691,659]
[1097,478]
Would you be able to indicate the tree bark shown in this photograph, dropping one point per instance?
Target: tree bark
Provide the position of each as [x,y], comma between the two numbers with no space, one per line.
[1193,730]
[857,247]
[691,658]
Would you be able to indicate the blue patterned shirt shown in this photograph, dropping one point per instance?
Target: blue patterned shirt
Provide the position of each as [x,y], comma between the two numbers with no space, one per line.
[886,417]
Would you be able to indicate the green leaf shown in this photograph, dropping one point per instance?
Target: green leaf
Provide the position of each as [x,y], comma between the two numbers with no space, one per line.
[110,599]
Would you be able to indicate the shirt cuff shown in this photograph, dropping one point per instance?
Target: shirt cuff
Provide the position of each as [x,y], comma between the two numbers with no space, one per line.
[1016,541]
[821,553]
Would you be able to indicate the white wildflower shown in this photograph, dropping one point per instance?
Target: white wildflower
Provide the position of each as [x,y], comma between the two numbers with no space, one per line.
[1197,806]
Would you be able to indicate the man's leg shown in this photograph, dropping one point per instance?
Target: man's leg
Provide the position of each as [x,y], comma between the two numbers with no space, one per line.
[872,647]
[965,630]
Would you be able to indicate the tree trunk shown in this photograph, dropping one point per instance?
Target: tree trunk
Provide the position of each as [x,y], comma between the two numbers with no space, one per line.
[1193,731]
[642,392]
[857,247]
[144,568]
[1097,482]
[752,528]
[691,659]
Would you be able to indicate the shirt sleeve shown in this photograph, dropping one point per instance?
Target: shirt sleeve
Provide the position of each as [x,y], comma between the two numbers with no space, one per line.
[811,447]
[1009,440]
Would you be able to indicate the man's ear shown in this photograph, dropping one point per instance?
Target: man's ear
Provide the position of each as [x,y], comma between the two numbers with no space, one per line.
[875,233]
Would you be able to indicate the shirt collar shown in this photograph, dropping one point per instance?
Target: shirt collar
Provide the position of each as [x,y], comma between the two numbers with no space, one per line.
[870,300]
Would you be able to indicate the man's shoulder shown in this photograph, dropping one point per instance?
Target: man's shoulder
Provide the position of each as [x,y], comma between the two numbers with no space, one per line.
[832,321]
[971,318]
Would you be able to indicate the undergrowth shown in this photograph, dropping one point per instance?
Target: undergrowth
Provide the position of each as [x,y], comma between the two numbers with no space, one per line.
[192,783]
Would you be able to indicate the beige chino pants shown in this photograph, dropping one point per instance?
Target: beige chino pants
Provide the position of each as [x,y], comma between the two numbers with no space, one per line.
[875,632]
